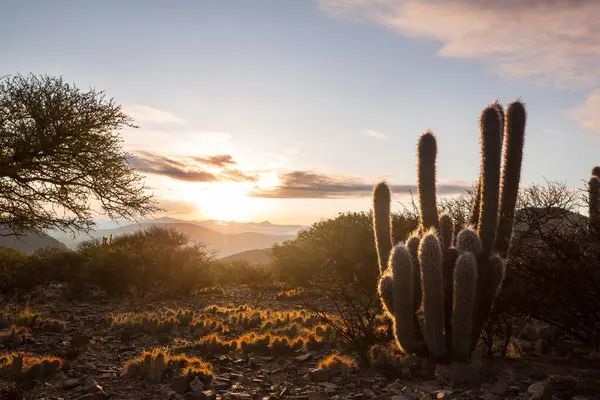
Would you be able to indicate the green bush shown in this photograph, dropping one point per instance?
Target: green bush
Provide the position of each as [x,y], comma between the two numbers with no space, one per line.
[338,247]
[56,264]
[14,271]
[154,259]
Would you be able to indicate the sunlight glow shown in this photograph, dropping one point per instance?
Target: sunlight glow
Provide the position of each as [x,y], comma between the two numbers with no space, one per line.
[228,201]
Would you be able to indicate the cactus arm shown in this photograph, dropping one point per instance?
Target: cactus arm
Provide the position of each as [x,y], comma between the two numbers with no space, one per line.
[386,293]
[450,257]
[476,207]
[426,155]
[382,198]
[412,245]
[446,231]
[405,331]
[491,149]
[467,240]
[514,140]
[488,287]
[430,258]
[465,289]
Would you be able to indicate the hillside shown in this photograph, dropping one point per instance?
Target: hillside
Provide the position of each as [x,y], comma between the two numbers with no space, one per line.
[229,227]
[30,243]
[224,244]
[257,256]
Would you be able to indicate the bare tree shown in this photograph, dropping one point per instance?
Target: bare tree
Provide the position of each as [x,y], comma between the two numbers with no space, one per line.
[59,149]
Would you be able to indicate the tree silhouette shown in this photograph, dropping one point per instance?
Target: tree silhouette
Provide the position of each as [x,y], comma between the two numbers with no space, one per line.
[59,150]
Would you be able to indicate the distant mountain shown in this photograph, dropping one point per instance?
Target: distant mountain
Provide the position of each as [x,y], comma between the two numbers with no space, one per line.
[29,243]
[229,227]
[257,256]
[224,244]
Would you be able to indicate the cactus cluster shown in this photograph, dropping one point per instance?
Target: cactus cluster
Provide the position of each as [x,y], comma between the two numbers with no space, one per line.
[594,199]
[455,281]
[158,364]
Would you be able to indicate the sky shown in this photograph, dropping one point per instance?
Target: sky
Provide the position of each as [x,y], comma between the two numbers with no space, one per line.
[291,110]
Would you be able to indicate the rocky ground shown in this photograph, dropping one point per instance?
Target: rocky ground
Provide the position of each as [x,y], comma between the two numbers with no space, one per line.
[97,336]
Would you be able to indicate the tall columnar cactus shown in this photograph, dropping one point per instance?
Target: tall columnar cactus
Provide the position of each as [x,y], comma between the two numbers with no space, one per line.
[594,199]
[456,281]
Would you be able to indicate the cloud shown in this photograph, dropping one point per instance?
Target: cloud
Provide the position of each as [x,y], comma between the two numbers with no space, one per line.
[377,134]
[190,169]
[141,114]
[588,113]
[554,42]
[178,207]
[314,185]
[220,160]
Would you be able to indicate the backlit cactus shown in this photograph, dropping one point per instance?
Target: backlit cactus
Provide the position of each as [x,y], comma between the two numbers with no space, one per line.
[455,281]
[594,198]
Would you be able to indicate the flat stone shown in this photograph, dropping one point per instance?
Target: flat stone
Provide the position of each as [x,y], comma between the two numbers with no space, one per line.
[329,385]
[316,396]
[179,384]
[489,396]
[71,383]
[538,391]
[499,388]
[304,357]
[90,366]
[319,375]
[196,385]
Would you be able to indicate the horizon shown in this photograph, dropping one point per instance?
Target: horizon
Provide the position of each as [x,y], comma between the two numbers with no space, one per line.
[290,112]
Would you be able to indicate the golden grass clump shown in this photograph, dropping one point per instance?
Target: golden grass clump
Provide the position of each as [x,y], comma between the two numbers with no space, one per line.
[27,318]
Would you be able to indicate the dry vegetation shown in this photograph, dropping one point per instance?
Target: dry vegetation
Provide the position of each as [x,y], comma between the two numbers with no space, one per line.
[151,315]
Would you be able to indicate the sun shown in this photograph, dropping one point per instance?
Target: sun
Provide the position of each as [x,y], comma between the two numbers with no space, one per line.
[230,201]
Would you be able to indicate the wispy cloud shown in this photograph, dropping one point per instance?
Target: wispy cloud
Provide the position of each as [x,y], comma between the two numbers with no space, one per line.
[315,185]
[555,42]
[373,133]
[220,160]
[190,169]
[588,113]
[147,114]
[178,207]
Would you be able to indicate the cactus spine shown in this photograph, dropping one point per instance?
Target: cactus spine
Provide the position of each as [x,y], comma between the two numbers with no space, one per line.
[456,284]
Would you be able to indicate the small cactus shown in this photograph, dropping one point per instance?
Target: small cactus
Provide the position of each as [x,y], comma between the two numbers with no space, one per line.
[456,284]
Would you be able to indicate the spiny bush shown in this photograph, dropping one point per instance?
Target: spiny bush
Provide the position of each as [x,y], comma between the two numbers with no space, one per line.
[338,361]
[456,285]
[18,366]
[387,356]
[283,345]
[33,320]
[292,294]
[16,336]
[315,343]
[202,326]
[254,343]
[211,344]
[158,364]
